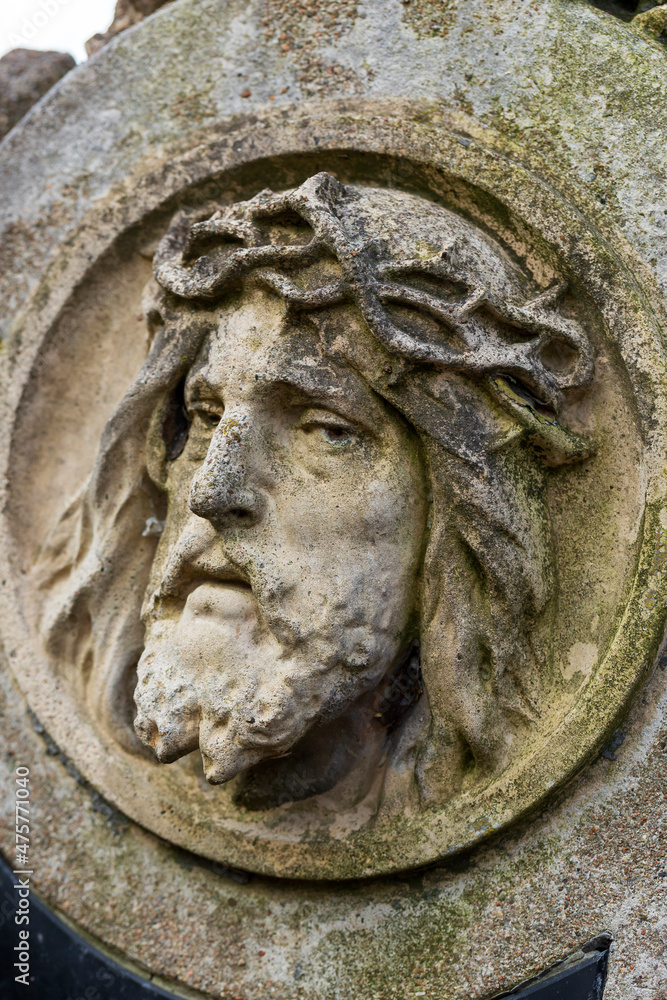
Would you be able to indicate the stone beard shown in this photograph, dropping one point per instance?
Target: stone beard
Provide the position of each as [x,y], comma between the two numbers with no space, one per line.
[284,587]
[343,425]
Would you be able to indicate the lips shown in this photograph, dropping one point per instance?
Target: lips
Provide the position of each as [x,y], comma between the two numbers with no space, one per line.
[213,598]
[230,573]
[192,575]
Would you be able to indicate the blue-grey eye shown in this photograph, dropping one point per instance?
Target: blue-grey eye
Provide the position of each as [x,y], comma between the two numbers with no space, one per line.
[336,435]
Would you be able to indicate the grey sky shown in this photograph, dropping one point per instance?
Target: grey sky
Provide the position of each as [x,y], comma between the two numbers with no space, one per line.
[63,25]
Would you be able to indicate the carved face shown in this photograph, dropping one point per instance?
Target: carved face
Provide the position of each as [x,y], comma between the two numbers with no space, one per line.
[353,453]
[286,582]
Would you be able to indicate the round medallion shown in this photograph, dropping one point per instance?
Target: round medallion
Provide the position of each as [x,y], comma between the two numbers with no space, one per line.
[335,497]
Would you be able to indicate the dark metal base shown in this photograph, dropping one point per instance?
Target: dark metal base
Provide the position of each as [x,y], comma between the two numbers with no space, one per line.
[64,966]
[581,977]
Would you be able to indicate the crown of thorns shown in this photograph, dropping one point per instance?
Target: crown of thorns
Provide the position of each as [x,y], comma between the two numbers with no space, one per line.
[200,261]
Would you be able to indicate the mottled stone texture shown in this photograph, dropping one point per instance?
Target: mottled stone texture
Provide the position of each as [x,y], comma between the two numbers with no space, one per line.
[127,13]
[262,93]
[25,76]
[653,23]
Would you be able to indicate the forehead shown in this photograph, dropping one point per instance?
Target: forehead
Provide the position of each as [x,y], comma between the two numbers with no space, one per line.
[255,345]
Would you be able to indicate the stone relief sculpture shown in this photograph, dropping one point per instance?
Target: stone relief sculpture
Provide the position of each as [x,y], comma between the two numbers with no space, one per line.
[333,530]
[315,544]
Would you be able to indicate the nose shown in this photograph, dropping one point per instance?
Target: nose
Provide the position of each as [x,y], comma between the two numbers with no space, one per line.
[221,490]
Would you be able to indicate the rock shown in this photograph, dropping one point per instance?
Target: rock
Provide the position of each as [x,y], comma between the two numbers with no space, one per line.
[25,76]
[653,23]
[127,13]
[626,10]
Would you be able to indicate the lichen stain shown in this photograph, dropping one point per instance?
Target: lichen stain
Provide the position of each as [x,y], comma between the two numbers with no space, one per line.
[582,657]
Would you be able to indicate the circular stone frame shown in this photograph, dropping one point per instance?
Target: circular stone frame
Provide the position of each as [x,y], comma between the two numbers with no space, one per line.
[449,156]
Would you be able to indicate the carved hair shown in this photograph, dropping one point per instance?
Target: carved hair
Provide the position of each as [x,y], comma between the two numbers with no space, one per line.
[481,393]
[201,261]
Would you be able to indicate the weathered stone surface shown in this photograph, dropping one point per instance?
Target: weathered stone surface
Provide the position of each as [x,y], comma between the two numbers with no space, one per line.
[332,687]
[25,76]
[563,161]
[127,14]
[653,23]
[626,9]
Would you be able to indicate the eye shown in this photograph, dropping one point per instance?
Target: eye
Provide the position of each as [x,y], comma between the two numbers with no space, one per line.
[331,431]
[208,418]
[333,434]
[328,429]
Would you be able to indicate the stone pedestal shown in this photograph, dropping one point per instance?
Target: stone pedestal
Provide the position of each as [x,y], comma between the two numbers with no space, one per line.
[333,559]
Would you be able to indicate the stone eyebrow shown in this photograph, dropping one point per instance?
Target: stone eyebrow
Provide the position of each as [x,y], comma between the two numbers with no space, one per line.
[349,401]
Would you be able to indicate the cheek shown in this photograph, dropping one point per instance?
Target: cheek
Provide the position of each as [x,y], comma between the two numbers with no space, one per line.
[374,512]
[394,509]
[180,476]
[178,509]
